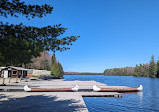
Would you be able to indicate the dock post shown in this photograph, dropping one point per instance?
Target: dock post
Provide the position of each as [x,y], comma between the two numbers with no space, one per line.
[21,76]
[17,79]
[9,79]
[3,80]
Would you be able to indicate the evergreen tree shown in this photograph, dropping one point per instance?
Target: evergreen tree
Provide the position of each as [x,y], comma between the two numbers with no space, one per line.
[152,67]
[142,70]
[146,70]
[61,70]
[57,70]
[157,69]
[136,71]
[54,59]
[19,43]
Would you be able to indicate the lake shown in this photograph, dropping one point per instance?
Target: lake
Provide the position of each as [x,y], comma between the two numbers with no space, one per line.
[145,101]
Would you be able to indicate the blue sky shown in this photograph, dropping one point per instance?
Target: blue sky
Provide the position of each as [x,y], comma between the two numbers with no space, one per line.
[113,33]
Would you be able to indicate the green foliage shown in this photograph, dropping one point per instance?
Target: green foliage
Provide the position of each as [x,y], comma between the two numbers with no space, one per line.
[126,71]
[57,70]
[146,70]
[152,67]
[19,43]
[53,59]
[137,71]
[15,7]
[157,69]
[142,70]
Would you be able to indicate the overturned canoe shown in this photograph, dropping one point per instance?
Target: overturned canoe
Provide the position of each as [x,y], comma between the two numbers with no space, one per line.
[26,88]
[95,88]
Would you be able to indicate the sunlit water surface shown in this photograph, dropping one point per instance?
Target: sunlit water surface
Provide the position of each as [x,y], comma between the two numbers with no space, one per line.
[145,101]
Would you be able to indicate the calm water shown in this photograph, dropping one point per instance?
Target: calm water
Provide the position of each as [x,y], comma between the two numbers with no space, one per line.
[145,101]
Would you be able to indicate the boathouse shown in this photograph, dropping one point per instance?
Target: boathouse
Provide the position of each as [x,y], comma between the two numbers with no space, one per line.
[12,71]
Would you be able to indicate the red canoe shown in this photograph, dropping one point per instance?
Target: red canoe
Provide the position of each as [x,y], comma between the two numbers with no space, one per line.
[27,89]
[95,88]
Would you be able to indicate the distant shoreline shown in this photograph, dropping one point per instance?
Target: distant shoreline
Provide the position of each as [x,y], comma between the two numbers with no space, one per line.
[81,73]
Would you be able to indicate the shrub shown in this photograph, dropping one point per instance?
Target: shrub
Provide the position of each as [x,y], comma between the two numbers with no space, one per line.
[57,70]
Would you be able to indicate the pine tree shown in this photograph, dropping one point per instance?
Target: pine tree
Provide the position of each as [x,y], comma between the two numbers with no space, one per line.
[22,39]
[56,69]
[146,70]
[136,71]
[61,70]
[152,67]
[157,75]
[53,59]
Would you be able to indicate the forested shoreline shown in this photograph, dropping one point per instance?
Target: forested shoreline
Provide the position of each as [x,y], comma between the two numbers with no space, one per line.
[150,69]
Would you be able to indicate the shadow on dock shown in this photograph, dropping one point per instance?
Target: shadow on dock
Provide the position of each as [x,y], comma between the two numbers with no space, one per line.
[38,103]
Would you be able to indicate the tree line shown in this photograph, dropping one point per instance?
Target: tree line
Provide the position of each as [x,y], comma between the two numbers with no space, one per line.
[150,69]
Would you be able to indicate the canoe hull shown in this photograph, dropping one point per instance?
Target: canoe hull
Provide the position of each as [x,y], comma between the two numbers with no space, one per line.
[95,88]
[27,89]
[118,90]
[50,90]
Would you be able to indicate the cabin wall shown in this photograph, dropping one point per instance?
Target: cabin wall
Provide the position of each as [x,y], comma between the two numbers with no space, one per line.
[13,72]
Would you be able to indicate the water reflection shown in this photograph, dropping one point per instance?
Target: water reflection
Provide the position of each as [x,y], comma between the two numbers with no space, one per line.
[141,98]
[145,101]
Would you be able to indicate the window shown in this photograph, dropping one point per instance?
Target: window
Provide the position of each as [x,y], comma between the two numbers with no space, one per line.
[14,72]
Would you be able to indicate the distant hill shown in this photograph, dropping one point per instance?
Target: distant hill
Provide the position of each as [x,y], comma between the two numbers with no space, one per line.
[82,73]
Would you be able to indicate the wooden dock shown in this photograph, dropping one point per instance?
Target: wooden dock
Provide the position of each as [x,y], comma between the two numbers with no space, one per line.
[75,98]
